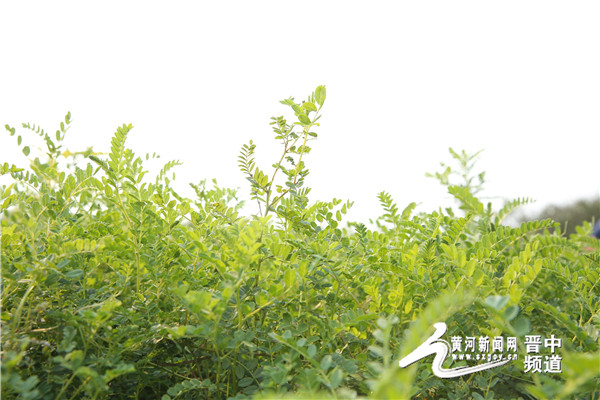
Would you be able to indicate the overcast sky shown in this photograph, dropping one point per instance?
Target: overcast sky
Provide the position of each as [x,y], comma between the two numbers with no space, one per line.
[405,81]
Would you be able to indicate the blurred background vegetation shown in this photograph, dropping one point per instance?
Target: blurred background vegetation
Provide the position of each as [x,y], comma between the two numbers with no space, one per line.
[568,215]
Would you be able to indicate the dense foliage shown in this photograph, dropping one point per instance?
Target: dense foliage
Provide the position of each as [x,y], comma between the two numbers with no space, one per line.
[115,286]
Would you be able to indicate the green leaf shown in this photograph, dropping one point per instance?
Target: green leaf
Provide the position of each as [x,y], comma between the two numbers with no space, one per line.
[239,371]
[521,326]
[477,396]
[326,362]
[304,119]
[311,351]
[408,306]
[308,106]
[320,94]
[470,267]
[26,150]
[497,302]
[296,109]
[511,312]
[366,317]
[290,277]
[74,274]
[247,381]
[336,377]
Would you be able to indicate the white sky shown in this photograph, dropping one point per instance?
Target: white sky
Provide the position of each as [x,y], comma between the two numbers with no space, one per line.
[405,81]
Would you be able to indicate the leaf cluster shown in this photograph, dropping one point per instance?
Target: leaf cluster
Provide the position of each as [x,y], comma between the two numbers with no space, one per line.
[116,286]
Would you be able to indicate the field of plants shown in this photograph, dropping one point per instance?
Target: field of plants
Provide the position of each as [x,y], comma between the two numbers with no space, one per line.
[116,287]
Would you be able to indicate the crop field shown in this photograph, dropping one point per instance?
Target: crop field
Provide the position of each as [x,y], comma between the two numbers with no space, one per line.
[114,286]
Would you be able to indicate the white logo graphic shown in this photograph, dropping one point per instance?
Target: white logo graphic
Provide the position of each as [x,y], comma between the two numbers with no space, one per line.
[439,347]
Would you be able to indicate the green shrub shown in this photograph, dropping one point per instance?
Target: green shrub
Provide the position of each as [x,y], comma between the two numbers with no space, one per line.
[115,286]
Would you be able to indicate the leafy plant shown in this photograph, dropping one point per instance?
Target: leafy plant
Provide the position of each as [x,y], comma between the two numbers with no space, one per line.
[116,286]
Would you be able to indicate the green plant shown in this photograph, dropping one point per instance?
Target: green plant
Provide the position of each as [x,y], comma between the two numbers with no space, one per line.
[570,216]
[116,286]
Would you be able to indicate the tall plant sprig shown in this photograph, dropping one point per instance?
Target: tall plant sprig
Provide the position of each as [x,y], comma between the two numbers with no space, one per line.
[264,189]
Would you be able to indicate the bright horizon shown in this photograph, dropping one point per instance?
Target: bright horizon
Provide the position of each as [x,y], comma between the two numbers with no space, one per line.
[404,83]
